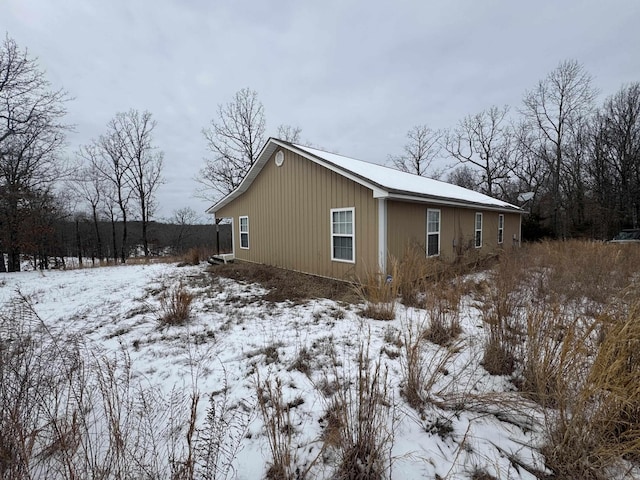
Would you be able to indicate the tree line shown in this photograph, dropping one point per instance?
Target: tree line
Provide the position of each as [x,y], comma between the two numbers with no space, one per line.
[572,164]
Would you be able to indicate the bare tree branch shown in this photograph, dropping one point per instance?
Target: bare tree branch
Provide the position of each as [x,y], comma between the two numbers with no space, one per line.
[420,151]
[234,140]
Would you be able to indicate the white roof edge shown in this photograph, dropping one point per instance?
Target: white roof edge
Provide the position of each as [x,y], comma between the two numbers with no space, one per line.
[455,203]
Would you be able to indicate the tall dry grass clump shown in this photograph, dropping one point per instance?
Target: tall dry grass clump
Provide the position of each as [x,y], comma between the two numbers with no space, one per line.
[563,320]
[596,430]
[418,272]
[442,303]
[555,353]
[278,426]
[175,305]
[501,300]
[361,423]
[379,292]
[423,368]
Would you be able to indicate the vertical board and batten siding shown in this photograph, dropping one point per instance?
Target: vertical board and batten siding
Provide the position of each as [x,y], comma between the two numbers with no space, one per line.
[289,218]
[407,224]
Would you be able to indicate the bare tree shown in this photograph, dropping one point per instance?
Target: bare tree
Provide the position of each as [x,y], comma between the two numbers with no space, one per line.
[113,166]
[89,187]
[144,162]
[464,176]
[183,218]
[289,133]
[484,141]
[420,151]
[31,135]
[556,110]
[234,140]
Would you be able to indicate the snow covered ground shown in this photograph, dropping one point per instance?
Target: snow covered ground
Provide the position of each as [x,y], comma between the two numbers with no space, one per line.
[234,340]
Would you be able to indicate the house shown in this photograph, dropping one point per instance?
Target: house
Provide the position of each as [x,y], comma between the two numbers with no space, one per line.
[312,211]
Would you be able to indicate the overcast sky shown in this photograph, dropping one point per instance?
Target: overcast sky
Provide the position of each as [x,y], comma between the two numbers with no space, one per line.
[354,75]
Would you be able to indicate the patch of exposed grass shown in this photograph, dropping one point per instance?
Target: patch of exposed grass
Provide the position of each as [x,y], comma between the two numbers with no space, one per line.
[286,285]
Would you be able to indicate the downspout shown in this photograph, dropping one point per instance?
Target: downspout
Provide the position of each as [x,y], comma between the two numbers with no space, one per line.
[382,235]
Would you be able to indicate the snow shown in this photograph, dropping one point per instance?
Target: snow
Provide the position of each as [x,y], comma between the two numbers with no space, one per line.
[396,180]
[234,337]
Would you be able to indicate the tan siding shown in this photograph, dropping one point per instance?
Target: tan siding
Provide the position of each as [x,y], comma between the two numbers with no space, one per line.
[407,224]
[289,218]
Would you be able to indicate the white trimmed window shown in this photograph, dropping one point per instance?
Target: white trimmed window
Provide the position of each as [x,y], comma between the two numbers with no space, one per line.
[478,230]
[500,228]
[244,232]
[342,235]
[433,232]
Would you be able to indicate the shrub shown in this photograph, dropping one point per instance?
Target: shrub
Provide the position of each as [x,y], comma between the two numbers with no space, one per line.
[192,257]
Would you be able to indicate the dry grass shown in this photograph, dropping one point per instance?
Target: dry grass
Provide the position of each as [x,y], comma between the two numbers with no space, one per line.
[563,319]
[576,270]
[278,428]
[423,368]
[442,304]
[175,306]
[69,413]
[379,292]
[597,423]
[359,423]
[192,257]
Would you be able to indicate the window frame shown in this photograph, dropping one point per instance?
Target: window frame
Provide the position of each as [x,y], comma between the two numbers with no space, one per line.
[245,232]
[352,235]
[438,232]
[500,228]
[477,238]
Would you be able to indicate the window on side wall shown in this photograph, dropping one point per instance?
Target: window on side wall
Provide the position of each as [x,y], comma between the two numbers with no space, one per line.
[433,232]
[244,232]
[478,230]
[342,235]
[500,228]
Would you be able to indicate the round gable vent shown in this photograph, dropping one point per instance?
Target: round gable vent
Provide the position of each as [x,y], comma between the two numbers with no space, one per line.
[279,158]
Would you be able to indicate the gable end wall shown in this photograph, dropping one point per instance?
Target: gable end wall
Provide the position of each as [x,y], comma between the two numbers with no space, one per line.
[289,218]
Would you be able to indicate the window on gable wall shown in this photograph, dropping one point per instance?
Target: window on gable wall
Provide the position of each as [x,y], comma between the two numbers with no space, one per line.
[500,228]
[244,232]
[433,232]
[478,230]
[342,234]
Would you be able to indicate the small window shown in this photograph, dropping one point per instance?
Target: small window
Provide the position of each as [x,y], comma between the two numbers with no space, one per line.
[244,232]
[478,232]
[500,228]
[342,235]
[433,233]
